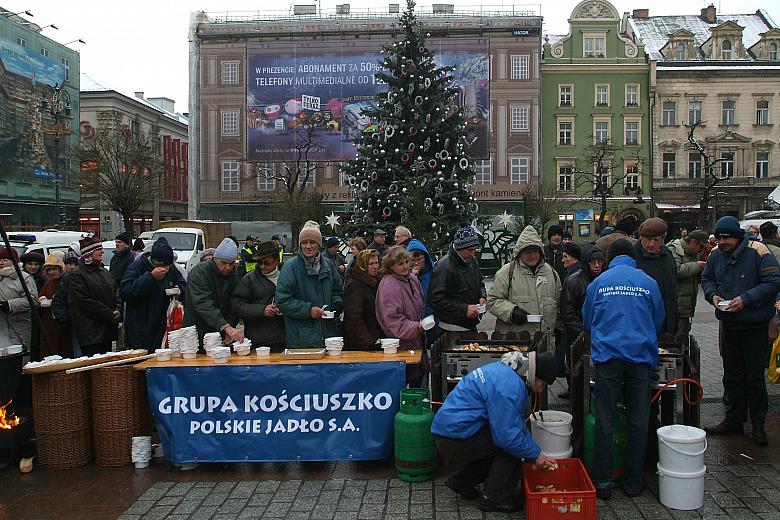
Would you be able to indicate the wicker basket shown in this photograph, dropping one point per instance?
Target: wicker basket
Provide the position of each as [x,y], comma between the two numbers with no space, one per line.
[112,412]
[142,416]
[63,419]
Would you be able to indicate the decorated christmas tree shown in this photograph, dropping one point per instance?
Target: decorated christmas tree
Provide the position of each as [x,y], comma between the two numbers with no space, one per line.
[412,165]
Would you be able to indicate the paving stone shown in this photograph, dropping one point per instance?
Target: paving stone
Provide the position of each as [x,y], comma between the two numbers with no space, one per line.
[158,513]
[759,505]
[768,470]
[180,489]
[250,513]
[421,497]
[310,488]
[334,484]
[446,515]
[204,513]
[140,507]
[352,492]
[398,493]
[470,513]
[348,504]
[268,486]
[773,495]
[277,509]
[713,485]
[495,515]
[758,482]
[125,516]
[376,485]
[260,499]
[155,493]
[303,503]
[397,506]
[605,513]
[290,485]
[371,511]
[169,501]
[177,517]
[726,500]
[446,504]
[356,483]
[205,484]
[421,511]
[742,489]
[224,516]
[329,497]
[768,516]
[742,470]
[741,513]
[285,495]
[297,515]
[396,483]
[422,485]
[374,497]
[710,507]
[397,516]
[187,506]
[197,493]
[322,512]
[215,499]
[233,505]
[443,491]
[243,490]
[346,515]
[654,511]
[686,515]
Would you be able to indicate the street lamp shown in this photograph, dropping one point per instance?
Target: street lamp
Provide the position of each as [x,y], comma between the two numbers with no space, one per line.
[56,101]
[9,13]
[74,41]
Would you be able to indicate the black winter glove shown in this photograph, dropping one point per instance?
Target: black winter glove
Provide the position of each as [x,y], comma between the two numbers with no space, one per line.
[5,307]
[519,316]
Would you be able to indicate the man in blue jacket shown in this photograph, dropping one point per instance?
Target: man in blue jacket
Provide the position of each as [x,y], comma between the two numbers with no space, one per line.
[624,312]
[482,423]
[746,275]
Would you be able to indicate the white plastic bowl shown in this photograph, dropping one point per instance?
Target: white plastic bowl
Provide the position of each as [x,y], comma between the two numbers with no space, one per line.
[141,465]
[722,305]
[263,351]
[13,349]
[173,291]
[163,354]
[329,315]
[428,322]
[221,359]
[481,308]
[534,318]
[189,355]
[45,303]
[333,351]
[389,351]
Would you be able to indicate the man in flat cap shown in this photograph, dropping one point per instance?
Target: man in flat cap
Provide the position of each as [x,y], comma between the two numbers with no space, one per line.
[380,235]
[655,259]
[685,252]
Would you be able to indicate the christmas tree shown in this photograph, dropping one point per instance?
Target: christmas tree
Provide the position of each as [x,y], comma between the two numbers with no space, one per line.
[412,165]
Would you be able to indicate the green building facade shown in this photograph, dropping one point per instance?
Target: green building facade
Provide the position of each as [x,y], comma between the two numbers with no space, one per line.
[35,153]
[596,89]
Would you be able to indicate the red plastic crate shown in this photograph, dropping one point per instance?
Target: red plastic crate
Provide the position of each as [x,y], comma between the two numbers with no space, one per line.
[578,501]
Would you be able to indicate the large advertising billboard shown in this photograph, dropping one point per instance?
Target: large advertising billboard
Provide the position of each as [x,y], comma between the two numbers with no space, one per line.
[288,82]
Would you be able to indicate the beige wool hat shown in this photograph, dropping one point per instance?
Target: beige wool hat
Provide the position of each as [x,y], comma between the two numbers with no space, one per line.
[310,231]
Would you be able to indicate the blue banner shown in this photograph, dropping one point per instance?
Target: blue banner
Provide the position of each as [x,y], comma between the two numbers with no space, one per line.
[43,173]
[280,412]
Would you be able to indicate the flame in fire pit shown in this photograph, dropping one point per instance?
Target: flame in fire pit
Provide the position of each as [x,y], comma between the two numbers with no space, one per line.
[7,419]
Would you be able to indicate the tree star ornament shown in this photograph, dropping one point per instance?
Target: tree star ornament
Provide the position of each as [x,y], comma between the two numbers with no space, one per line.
[505,219]
[333,220]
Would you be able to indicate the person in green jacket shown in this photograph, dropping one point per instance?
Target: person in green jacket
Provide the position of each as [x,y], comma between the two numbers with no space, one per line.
[685,252]
[309,285]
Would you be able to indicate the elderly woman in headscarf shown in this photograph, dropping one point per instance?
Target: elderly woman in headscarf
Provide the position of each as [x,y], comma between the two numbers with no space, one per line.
[361,328]
[59,342]
[400,303]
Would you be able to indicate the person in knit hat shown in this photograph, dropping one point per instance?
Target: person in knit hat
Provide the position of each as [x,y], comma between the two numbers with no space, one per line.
[32,264]
[770,238]
[553,251]
[455,291]
[122,258]
[94,310]
[686,252]
[59,342]
[309,285]
[655,259]
[571,259]
[143,290]
[743,274]
[623,229]
[15,318]
[210,287]
[624,314]
[59,304]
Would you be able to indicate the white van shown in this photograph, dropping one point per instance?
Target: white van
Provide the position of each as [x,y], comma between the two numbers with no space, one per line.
[49,236]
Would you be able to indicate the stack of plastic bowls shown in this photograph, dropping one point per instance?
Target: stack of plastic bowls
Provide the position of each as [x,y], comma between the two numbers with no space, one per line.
[211,340]
[390,345]
[163,354]
[141,451]
[185,341]
[334,345]
[220,354]
[243,348]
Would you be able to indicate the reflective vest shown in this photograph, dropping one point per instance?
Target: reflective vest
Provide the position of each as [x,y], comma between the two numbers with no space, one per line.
[250,266]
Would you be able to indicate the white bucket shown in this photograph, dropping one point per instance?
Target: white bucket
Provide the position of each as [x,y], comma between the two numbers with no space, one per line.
[681,448]
[684,491]
[553,434]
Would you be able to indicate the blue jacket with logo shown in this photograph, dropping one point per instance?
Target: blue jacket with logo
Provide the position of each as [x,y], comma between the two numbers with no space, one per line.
[491,395]
[750,272]
[624,312]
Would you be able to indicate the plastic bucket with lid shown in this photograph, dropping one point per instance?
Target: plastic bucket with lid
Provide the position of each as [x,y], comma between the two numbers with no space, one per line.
[551,430]
[684,491]
[681,448]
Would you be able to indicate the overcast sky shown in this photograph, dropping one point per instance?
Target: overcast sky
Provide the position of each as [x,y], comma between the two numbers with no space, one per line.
[142,45]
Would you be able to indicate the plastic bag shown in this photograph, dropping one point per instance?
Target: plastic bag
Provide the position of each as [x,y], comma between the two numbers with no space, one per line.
[773,374]
[174,316]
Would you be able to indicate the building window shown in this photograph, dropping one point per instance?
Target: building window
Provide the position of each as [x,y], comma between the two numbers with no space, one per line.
[565,178]
[565,133]
[229,123]
[601,175]
[483,172]
[632,132]
[519,118]
[44,52]
[230,181]
[519,67]
[762,112]
[601,131]
[762,165]
[602,95]
[773,51]
[66,65]
[725,50]
[594,46]
[669,113]
[727,164]
[729,112]
[694,112]
[680,52]
[631,179]
[694,165]
[668,165]
[565,98]
[265,177]
[21,42]
[632,95]
[230,73]
[518,168]
[310,180]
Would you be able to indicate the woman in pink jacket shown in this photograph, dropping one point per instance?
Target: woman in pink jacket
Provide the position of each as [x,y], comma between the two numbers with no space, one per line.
[399,299]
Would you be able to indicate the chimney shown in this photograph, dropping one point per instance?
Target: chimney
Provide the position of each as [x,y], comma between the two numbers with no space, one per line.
[708,14]
[139,95]
[641,13]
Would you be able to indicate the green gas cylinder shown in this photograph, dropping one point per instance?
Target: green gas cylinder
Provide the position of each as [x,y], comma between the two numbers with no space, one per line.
[619,439]
[415,448]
